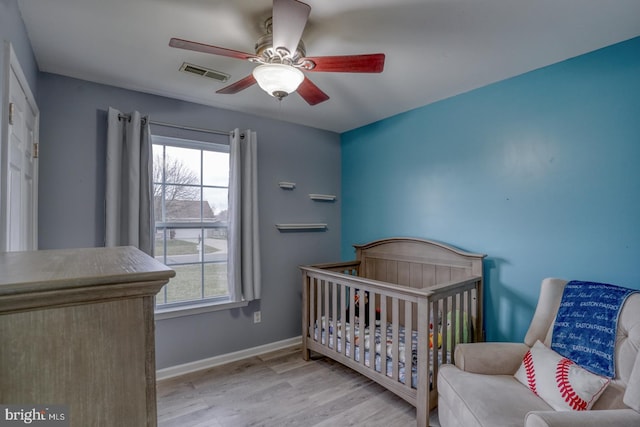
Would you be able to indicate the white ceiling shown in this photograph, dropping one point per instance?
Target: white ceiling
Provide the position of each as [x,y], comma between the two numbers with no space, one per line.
[434,48]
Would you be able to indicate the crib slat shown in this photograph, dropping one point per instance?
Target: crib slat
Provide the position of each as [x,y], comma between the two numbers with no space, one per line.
[372,311]
[476,322]
[476,312]
[343,319]
[373,297]
[361,325]
[320,322]
[465,308]
[435,308]
[445,330]
[443,349]
[408,342]
[383,335]
[334,313]
[454,321]
[351,332]
[463,326]
[327,318]
[395,319]
[313,332]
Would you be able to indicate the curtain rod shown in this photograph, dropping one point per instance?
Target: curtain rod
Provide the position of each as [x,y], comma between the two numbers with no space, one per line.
[171,125]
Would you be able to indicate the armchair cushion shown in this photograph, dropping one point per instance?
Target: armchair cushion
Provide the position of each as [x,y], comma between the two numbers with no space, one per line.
[490,358]
[473,400]
[563,384]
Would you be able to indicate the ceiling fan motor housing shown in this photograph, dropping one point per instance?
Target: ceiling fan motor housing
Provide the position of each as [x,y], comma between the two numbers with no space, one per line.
[270,55]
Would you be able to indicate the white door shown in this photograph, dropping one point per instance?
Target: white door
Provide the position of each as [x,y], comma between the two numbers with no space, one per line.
[19,168]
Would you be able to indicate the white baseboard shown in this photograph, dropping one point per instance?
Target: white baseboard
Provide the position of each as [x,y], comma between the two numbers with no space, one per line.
[198,365]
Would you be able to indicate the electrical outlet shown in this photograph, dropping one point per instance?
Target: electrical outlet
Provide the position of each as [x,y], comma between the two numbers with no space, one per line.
[257,317]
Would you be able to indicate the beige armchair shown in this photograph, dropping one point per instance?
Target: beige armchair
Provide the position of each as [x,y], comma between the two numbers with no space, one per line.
[480,390]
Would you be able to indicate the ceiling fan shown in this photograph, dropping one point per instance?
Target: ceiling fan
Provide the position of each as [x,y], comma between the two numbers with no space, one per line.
[281,55]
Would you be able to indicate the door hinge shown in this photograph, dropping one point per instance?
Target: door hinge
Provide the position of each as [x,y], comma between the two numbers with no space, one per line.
[11,113]
[36,150]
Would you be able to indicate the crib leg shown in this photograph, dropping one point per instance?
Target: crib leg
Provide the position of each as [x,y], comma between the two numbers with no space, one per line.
[306,353]
[422,408]
[422,416]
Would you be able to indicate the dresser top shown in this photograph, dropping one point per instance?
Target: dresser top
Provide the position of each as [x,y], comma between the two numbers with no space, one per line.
[63,269]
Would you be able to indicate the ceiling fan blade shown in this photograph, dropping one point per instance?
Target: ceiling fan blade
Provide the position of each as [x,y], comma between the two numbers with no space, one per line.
[311,93]
[207,48]
[370,63]
[238,86]
[289,19]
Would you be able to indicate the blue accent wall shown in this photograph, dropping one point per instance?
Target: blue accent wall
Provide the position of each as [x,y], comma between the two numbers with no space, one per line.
[540,172]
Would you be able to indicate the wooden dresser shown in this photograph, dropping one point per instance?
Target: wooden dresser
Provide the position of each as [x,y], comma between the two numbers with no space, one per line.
[77,328]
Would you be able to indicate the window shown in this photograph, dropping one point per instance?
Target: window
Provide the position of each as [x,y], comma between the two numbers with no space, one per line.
[191,181]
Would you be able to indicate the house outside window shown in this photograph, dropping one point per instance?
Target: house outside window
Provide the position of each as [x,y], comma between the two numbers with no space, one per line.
[191,180]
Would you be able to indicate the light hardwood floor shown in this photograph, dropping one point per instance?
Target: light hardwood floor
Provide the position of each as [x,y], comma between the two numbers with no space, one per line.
[280,389]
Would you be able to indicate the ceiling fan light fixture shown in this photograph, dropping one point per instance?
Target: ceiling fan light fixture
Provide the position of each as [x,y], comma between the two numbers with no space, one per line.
[278,80]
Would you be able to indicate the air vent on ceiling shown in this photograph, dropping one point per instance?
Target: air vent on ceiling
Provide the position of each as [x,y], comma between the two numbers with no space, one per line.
[204,72]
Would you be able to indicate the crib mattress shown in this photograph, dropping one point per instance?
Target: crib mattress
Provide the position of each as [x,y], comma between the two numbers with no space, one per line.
[334,340]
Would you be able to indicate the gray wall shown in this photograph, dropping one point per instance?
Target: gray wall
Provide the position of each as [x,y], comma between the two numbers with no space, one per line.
[12,31]
[72,135]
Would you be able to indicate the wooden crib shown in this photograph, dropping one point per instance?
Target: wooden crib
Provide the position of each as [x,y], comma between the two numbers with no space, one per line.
[410,287]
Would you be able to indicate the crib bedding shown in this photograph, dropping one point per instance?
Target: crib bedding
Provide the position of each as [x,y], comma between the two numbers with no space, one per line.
[402,347]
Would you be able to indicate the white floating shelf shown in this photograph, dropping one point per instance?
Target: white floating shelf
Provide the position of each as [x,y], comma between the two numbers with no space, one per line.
[284,227]
[287,185]
[323,197]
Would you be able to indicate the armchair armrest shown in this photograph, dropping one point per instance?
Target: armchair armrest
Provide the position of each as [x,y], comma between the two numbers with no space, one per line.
[607,417]
[490,358]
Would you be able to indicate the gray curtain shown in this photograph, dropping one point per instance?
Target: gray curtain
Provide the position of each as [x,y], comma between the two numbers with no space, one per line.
[129,188]
[244,242]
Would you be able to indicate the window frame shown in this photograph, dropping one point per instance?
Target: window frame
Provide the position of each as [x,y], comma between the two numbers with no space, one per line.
[204,304]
